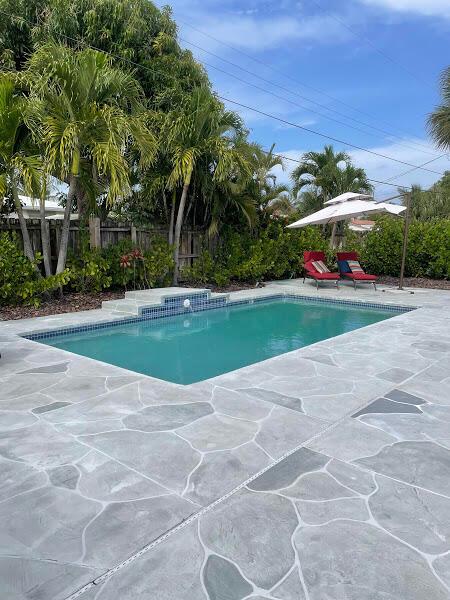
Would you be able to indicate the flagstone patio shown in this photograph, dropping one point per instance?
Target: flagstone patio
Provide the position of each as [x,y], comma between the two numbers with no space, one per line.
[322,473]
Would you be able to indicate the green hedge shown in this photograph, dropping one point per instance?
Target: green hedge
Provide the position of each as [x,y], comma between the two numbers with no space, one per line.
[272,253]
[20,279]
[428,252]
[277,253]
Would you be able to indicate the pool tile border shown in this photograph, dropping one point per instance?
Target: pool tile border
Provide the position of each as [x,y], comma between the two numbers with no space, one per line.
[173,306]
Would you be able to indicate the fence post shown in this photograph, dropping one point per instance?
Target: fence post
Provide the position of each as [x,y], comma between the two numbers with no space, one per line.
[133,234]
[95,240]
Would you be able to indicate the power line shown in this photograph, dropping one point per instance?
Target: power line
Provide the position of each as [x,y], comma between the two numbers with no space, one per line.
[300,96]
[293,79]
[411,170]
[296,125]
[324,135]
[369,42]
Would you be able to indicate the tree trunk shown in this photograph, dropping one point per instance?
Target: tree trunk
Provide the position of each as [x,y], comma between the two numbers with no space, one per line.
[62,254]
[178,225]
[27,247]
[45,239]
[172,216]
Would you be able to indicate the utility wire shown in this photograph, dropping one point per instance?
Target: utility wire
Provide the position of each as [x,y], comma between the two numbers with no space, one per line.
[296,125]
[290,78]
[324,135]
[411,145]
[369,42]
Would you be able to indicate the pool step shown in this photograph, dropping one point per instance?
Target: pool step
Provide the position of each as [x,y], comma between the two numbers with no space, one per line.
[163,301]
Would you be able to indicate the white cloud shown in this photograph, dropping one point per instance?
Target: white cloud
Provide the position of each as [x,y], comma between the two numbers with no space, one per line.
[429,8]
[383,169]
[255,33]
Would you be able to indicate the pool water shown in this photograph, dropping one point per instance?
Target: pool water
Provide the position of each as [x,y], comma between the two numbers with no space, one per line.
[195,346]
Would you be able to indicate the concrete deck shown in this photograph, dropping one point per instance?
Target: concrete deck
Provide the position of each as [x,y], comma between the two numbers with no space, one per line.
[322,473]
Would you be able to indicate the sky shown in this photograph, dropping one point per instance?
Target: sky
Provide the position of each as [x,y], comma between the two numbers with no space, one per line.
[365,72]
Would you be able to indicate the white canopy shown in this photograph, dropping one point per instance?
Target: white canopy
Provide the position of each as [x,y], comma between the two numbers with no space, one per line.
[346,206]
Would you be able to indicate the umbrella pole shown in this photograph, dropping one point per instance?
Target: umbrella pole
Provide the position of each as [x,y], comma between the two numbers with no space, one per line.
[333,235]
[405,240]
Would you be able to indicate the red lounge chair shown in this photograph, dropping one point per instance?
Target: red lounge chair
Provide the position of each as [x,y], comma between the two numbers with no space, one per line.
[361,277]
[313,273]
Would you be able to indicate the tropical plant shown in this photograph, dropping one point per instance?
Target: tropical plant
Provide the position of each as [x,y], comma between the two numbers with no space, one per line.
[433,203]
[20,165]
[20,282]
[439,120]
[200,131]
[318,170]
[86,112]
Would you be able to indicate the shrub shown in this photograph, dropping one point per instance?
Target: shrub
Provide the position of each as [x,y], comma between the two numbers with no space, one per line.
[428,248]
[271,253]
[89,271]
[128,266]
[20,281]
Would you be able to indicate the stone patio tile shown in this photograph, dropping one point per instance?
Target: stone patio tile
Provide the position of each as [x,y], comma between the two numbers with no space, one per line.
[220,472]
[10,420]
[17,478]
[404,397]
[436,392]
[288,470]
[290,589]
[173,571]
[396,374]
[351,440]
[46,523]
[124,527]
[22,385]
[218,432]
[223,580]
[239,404]
[104,479]
[40,446]
[331,407]
[409,426]
[417,517]
[77,389]
[155,391]
[285,429]
[423,464]
[383,405]
[33,579]
[442,567]
[163,457]
[272,397]
[253,530]
[338,561]
[111,405]
[318,513]
[167,416]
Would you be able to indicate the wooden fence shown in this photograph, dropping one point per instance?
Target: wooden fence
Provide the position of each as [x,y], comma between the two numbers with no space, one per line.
[102,235]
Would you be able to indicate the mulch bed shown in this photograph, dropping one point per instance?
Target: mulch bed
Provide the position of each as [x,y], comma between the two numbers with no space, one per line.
[76,301]
[417,282]
[70,302]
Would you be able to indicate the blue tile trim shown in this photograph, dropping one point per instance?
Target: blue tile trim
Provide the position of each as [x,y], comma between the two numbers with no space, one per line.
[200,302]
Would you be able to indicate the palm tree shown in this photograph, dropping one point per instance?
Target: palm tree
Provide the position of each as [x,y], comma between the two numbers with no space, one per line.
[439,120]
[20,166]
[200,131]
[318,169]
[86,112]
[351,179]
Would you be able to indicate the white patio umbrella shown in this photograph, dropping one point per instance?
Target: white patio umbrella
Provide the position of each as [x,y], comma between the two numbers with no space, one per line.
[345,207]
[350,205]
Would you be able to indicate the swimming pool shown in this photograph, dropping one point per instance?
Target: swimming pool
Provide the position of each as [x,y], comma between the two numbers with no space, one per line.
[194,346]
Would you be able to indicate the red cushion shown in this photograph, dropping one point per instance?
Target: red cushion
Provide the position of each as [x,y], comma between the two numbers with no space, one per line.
[310,256]
[360,276]
[316,275]
[347,256]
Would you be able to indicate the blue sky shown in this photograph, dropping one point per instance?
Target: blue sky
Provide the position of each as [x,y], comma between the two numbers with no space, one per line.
[381,57]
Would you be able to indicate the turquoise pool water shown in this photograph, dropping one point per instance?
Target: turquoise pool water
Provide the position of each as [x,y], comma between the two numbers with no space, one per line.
[196,346]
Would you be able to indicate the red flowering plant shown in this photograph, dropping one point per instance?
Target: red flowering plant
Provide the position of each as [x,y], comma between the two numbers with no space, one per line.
[130,261]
